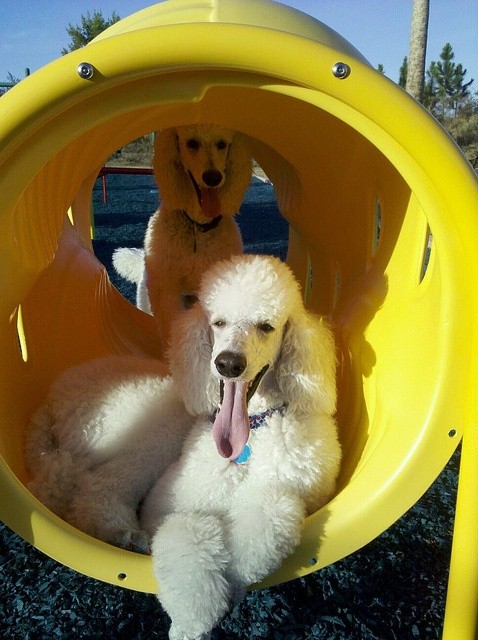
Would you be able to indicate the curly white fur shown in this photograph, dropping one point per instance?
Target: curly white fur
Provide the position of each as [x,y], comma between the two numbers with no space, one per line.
[110,435]
[216,525]
[107,430]
[202,172]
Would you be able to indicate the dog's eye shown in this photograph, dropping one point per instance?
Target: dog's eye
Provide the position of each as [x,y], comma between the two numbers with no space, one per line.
[193,144]
[221,144]
[265,327]
[219,323]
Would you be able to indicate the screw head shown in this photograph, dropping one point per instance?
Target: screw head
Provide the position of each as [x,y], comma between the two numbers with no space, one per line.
[341,70]
[85,70]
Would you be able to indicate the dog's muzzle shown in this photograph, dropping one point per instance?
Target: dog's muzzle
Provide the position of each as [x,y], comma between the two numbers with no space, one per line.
[251,387]
[208,196]
[232,425]
[212,178]
[230,364]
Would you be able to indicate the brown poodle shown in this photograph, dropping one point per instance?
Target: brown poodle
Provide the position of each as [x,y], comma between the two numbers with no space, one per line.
[202,172]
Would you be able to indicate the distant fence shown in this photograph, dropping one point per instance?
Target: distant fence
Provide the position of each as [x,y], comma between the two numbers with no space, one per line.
[104,171]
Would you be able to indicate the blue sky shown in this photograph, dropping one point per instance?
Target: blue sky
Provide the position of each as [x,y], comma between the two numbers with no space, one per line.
[33,33]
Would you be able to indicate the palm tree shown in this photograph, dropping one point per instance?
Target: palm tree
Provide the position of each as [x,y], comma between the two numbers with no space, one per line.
[418,49]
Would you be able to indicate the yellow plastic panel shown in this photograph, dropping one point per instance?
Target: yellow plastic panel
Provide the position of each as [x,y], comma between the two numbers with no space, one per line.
[338,152]
[269,15]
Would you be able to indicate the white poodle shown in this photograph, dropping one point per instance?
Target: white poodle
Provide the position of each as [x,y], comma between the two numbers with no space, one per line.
[252,397]
[107,430]
[227,513]
[202,172]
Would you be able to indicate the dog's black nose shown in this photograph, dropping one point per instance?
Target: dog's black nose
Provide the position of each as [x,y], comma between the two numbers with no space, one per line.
[230,364]
[212,178]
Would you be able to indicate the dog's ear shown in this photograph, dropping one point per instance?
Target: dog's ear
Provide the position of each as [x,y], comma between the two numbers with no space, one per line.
[190,361]
[307,363]
[238,176]
[175,187]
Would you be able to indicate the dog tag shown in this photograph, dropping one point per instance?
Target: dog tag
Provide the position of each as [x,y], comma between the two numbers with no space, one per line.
[244,456]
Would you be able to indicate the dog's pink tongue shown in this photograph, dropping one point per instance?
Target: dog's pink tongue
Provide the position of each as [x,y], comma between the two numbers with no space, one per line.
[210,203]
[231,426]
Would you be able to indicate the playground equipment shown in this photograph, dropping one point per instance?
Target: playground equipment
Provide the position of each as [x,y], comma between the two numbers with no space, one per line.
[8,85]
[383,213]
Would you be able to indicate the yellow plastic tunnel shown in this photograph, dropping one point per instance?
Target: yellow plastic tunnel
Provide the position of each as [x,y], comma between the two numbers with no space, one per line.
[383,215]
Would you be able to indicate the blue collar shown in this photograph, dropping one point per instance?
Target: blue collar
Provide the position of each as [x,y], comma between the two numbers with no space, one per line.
[258,419]
[255,421]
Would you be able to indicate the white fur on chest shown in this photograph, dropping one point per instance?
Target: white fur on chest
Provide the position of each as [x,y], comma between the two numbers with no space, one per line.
[283,451]
[174,246]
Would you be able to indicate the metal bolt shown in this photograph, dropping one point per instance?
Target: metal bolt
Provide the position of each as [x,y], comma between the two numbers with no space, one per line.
[85,70]
[341,70]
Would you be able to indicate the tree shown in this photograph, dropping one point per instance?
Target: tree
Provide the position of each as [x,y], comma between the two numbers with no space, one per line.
[464,128]
[447,84]
[91,26]
[418,49]
[402,79]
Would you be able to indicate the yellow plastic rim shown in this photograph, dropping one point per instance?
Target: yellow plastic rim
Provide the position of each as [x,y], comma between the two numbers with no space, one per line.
[339,150]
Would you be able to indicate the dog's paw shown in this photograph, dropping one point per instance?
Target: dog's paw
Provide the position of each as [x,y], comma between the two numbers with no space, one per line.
[189,560]
[177,634]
